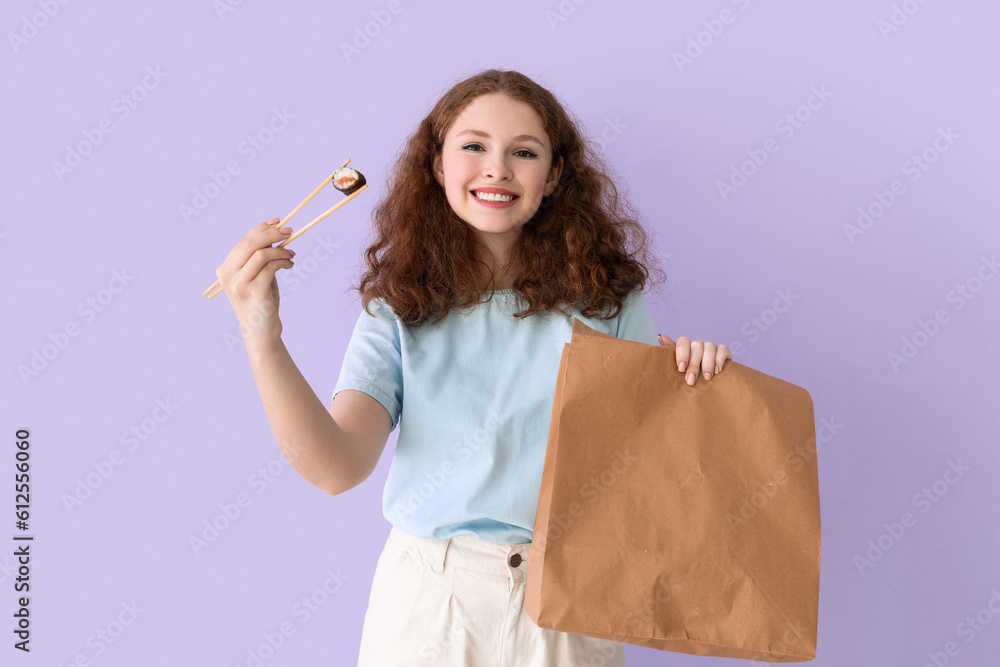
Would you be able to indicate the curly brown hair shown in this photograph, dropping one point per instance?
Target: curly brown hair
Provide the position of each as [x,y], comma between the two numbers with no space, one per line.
[575,251]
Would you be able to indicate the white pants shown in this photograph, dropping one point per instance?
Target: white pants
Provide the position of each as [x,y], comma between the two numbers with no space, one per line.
[460,602]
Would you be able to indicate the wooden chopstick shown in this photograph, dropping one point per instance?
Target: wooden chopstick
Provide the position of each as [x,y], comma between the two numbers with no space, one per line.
[281,223]
[307,227]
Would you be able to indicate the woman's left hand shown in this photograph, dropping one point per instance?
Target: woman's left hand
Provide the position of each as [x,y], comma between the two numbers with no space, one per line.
[695,354]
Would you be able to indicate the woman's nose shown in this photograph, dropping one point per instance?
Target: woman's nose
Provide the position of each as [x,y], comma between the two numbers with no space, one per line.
[497,168]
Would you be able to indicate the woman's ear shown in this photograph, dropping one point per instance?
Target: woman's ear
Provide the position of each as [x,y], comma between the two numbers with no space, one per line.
[438,170]
[554,174]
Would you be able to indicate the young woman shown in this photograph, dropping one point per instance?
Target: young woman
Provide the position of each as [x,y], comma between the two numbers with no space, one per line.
[498,227]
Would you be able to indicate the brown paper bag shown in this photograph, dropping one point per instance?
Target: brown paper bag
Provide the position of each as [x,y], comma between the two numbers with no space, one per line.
[679,518]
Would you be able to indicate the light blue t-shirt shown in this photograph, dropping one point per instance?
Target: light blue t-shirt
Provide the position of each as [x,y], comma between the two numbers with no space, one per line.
[473,429]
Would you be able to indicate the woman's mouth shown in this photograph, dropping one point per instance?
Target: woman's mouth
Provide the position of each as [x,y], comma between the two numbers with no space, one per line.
[492,200]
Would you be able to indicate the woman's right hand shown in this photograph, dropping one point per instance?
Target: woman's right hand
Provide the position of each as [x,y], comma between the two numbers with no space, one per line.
[248,278]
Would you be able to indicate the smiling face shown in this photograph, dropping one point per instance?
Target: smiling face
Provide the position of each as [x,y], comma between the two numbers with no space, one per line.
[497,145]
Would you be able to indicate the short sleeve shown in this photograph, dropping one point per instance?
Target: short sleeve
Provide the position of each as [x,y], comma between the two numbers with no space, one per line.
[373,361]
[634,321]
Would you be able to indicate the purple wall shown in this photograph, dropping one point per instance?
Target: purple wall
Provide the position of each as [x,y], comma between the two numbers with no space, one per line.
[885,107]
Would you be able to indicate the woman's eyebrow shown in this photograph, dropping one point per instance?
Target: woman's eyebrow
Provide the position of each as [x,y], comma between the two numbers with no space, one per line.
[520,137]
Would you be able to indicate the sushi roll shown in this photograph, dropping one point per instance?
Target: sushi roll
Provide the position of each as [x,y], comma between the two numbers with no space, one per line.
[348,180]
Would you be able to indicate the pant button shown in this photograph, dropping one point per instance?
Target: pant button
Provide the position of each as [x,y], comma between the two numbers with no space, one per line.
[515,560]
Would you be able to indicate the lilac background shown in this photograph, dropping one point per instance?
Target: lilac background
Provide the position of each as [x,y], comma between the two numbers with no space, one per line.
[680,131]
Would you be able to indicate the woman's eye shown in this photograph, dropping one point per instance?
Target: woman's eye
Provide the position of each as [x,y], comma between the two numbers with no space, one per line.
[523,150]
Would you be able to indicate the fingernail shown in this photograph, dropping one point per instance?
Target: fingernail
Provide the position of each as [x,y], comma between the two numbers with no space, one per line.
[286,230]
[681,366]
[291,252]
[717,370]
[691,377]
[708,376]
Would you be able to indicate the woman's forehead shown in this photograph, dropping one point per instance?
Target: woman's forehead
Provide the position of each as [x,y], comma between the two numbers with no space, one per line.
[495,115]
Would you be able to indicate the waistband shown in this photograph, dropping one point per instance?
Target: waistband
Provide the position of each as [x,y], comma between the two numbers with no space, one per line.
[493,558]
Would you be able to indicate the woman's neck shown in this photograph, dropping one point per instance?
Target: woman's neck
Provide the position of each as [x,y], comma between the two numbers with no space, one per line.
[501,280]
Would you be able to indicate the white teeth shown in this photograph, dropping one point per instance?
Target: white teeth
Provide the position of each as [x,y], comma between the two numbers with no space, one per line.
[489,196]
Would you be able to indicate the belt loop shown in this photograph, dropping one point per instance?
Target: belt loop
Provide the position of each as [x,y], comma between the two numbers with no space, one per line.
[437,565]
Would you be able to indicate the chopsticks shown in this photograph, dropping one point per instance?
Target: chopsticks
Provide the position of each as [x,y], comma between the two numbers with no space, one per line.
[326,181]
